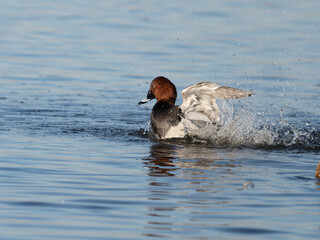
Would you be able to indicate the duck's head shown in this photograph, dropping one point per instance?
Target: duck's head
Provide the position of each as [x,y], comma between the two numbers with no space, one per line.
[161,89]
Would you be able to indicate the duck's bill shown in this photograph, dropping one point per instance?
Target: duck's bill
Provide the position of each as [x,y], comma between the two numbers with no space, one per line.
[144,101]
[150,96]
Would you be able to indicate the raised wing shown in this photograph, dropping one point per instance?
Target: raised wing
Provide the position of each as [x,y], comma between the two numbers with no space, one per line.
[199,105]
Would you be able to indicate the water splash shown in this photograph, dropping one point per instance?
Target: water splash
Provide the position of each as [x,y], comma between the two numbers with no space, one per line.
[251,128]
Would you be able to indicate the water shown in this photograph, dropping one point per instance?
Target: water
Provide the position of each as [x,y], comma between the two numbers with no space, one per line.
[76,158]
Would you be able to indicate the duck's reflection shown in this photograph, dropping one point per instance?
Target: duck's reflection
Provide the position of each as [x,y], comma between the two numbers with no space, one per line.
[318,171]
[182,178]
[317,174]
[160,162]
[165,159]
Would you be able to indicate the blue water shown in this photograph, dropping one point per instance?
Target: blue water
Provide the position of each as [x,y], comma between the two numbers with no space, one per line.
[77,160]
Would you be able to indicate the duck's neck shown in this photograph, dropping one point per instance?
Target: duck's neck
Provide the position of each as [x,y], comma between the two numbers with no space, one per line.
[167,102]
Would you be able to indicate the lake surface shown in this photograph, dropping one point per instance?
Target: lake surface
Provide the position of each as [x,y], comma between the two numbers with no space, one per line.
[77,160]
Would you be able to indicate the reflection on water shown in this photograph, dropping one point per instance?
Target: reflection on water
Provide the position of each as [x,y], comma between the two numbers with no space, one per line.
[160,162]
[194,168]
[201,184]
[165,159]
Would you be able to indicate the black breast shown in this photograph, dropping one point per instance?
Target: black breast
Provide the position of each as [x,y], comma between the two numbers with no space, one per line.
[163,117]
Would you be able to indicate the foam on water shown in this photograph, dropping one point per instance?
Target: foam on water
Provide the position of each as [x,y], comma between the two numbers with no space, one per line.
[251,128]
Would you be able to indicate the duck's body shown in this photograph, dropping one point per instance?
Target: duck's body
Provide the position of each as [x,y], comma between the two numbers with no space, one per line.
[197,110]
[166,120]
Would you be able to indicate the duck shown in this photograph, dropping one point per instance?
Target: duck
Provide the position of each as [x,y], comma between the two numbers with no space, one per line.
[198,108]
[318,171]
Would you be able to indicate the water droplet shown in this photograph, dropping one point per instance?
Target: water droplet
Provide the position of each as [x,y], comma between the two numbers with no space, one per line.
[248,184]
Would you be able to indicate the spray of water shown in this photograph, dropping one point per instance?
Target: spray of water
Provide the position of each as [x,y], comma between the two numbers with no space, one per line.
[253,128]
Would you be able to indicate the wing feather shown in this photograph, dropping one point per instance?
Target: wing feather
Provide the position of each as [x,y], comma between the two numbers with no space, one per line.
[199,103]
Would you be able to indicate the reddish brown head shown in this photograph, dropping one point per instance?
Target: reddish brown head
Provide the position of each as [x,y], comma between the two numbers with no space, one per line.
[162,89]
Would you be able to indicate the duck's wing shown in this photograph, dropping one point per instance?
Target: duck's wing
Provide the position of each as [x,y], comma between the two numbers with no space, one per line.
[199,103]
[212,90]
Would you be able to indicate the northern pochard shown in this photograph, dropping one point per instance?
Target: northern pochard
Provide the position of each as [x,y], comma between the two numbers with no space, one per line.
[198,108]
